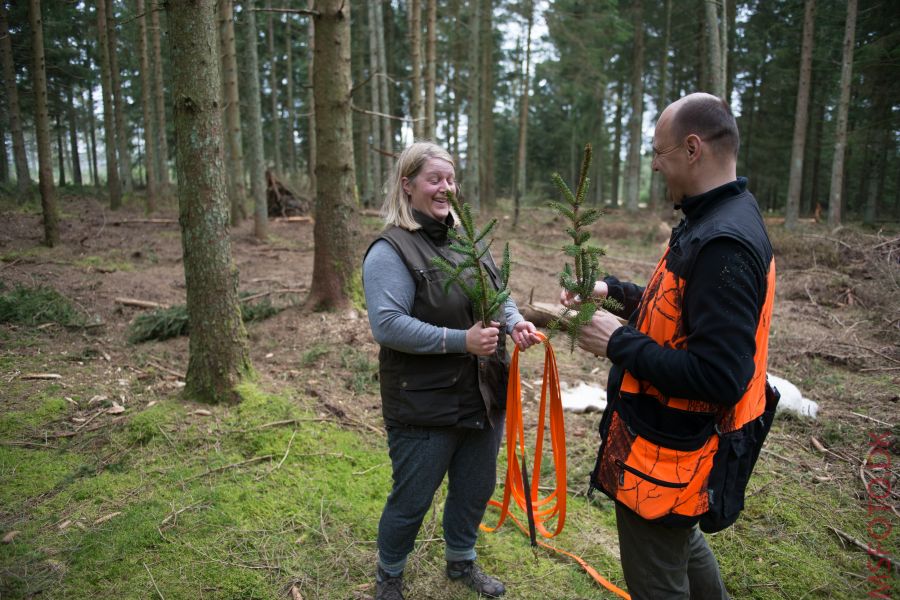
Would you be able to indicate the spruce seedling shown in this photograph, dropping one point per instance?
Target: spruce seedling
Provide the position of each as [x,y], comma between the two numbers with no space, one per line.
[579,278]
[471,274]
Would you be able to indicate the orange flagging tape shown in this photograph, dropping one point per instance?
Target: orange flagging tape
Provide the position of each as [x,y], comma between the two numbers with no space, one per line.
[554,504]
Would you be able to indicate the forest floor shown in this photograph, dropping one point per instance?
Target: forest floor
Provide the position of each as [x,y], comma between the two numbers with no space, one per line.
[114,486]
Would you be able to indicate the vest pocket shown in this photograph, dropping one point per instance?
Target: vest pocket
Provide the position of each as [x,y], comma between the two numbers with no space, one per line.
[657,481]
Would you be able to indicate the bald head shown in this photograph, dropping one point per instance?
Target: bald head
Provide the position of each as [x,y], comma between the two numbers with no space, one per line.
[708,117]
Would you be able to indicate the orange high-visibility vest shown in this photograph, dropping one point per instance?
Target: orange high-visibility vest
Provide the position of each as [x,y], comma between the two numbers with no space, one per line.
[693,463]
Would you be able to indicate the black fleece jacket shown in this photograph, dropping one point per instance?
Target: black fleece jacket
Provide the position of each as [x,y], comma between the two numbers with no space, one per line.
[722,301]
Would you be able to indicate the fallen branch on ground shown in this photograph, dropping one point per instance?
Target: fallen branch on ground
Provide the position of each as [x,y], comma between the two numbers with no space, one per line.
[846,537]
[231,466]
[139,303]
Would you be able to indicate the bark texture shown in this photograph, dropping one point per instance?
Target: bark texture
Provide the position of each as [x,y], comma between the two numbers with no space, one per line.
[219,355]
[255,161]
[835,196]
[237,190]
[23,177]
[635,137]
[335,278]
[147,107]
[798,147]
[162,144]
[113,183]
[122,135]
[42,123]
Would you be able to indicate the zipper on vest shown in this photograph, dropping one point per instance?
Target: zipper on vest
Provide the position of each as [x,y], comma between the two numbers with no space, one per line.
[642,475]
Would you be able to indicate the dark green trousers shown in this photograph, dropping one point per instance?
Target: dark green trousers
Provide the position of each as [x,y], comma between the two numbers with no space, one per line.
[666,563]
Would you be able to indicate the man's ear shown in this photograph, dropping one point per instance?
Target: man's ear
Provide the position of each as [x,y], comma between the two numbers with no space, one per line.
[694,146]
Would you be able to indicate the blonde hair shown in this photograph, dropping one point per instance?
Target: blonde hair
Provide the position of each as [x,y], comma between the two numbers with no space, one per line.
[396,209]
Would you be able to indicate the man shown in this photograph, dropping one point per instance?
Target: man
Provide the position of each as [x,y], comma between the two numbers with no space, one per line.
[689,403]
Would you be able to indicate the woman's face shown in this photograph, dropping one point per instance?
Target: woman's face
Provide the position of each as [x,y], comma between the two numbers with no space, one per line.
[427,191]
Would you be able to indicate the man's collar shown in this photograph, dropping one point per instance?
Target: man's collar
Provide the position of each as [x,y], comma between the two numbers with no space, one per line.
[694,206]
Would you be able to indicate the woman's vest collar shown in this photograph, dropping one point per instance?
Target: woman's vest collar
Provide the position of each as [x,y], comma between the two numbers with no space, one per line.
[434,229]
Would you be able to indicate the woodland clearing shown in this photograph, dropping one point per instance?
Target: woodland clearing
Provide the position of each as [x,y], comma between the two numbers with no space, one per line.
[113,486]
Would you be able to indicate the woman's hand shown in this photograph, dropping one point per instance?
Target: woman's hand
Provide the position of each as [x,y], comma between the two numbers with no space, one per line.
[524,335]
[481,340]
[570,300]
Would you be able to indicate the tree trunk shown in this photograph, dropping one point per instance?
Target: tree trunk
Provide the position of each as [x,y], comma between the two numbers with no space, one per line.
[473,137]
[113,183]
[387,133]
[289,89]
[635,137]
[219,356]
[4,155]
[657,184]
[237,190]
[486,135]
[840,144]
[162,144]
[255,160]
[336,280]
[801,118]
[714,48]
[122,135]
[311,65]
[92,135]
[520,180]
[454,62]
[23,177]
[73,136]
[273,85]
[147,108]
[42,125]
[375,89]
[617,142]
[415,51]
[60,156]
[430,70]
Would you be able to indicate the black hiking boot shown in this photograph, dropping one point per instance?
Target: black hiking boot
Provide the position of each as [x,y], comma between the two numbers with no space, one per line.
[467,572]
[387,587]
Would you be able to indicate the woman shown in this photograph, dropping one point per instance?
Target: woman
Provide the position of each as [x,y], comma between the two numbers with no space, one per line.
[443,374]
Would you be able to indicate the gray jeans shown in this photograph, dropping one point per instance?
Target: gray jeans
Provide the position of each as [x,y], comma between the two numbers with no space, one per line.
[420,458]
[666,563]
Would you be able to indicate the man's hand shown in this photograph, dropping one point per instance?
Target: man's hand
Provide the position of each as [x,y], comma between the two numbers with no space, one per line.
[594,336]
[481,340]
[524,335]
[570,300]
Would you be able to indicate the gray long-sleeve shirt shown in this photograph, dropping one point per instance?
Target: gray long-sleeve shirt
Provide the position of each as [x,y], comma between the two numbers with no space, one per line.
[390,292]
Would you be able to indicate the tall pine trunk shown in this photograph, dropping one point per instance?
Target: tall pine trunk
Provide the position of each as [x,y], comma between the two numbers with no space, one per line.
[335,280]
[147,108]
[255,160]
[801,118]
[311,127]
[387,132]
[289,91]
[42,125]
[835,196]
[60,153]
[415,52]
[113,184]
[162,144]
[219,355]
[92,135]
[375,90]
[23,177]
[657,185]
[473,130]
[273,85]
[237,190]
[122,136]
[635,137]
[714,48]
[520,180]
[73,136]
[430,69]
[486,170]
[617,141]
[4,155]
